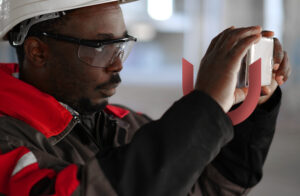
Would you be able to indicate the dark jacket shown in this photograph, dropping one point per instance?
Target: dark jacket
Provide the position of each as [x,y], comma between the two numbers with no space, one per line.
[46,148]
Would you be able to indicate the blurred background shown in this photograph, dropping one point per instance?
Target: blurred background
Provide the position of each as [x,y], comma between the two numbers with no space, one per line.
[168,30]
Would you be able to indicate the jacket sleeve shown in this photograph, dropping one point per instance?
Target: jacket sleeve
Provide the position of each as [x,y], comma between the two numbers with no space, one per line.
[165,157]
[238,167]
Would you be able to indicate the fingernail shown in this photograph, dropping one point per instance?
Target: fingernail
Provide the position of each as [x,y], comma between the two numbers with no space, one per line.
[265,91]
[279,77]
[259,28]
[276,67]
[280,80]
[258,37]
[280,83]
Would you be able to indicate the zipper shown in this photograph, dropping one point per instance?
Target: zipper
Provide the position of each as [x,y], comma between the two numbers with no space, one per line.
[75,120]
[91,137]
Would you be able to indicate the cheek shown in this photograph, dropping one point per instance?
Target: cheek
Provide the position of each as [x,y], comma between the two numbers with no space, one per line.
[75,70]
[91,75]
[73,77]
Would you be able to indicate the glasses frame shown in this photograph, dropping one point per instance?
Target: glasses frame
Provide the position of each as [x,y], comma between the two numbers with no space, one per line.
[86,42]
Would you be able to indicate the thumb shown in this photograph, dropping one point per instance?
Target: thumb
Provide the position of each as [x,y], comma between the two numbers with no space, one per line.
[240,95]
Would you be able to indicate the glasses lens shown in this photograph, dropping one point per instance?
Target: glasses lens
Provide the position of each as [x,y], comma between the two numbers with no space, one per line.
[105,55]
[127,50]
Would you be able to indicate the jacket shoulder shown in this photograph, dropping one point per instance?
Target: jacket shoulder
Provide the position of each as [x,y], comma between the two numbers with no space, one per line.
[130,123]
[15,133]
[127,114]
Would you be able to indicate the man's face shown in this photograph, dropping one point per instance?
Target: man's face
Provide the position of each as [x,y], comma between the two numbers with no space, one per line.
[84,87]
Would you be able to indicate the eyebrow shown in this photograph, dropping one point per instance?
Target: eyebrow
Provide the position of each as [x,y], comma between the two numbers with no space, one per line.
[110,35]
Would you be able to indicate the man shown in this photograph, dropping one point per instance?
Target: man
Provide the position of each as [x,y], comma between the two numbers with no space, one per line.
[58,135]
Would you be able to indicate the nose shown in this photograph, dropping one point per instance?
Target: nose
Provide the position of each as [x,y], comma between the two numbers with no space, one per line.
[116,66]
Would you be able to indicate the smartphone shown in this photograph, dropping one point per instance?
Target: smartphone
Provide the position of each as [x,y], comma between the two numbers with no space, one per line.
[264,50]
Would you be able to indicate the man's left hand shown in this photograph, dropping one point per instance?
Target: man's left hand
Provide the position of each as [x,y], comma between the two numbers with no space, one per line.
[281,73]
[281,69]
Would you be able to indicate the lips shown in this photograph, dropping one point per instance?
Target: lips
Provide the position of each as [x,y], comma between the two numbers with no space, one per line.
[109,90]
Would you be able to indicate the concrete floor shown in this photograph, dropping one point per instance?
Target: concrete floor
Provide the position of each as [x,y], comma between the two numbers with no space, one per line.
[282,168]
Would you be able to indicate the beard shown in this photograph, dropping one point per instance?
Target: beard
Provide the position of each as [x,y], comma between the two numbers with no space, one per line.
[115,79]
[86,107]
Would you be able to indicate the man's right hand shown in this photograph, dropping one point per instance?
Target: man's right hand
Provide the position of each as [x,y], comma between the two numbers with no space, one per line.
[219,67]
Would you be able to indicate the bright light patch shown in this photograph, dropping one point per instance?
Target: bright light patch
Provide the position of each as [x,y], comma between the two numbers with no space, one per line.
[145,32]
[160,9]
[274,16]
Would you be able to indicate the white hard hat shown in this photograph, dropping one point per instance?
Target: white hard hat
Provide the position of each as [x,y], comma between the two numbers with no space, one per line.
[13,12]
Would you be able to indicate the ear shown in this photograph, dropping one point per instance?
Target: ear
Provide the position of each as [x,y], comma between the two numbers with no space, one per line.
[36,51]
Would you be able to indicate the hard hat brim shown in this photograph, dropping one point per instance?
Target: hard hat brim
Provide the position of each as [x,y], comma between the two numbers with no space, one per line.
[10,18]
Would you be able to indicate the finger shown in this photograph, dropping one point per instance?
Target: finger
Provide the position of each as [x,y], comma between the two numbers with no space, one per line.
[273,76]
[282,79]
[265,90]
[275,68]
[224,35]
[215,40]
[284,69]
[279,80]
[240,50]
[289,74]
[278,52]
[240,95]
[239,34]
[268,34]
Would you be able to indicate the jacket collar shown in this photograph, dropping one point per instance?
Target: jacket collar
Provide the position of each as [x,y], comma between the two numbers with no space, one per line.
[40,110]
[116,111]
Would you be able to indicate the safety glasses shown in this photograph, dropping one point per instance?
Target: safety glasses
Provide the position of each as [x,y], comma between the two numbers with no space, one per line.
[99,53]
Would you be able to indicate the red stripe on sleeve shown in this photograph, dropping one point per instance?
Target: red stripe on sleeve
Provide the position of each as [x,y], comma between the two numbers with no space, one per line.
[66,181]
[22,182]
[8,162]
[20,172]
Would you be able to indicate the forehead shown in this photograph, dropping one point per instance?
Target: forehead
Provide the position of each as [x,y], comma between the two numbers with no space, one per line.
[91,21]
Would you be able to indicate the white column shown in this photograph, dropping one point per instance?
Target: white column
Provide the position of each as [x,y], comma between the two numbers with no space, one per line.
[204,23]
[274,16]
[212,13]
[193,31]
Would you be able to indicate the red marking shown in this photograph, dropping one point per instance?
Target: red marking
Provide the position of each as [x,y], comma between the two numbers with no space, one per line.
[248,106]
[187,77]
[117,111]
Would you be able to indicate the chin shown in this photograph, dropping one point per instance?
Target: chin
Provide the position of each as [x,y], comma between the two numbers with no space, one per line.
[88,106]
[106,93]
